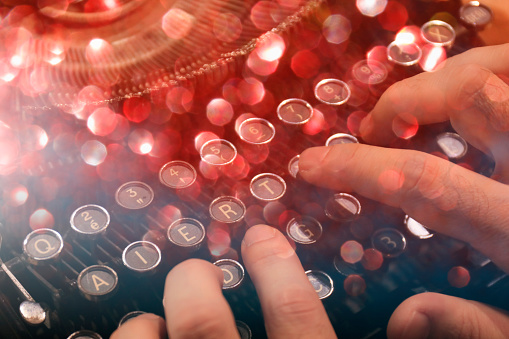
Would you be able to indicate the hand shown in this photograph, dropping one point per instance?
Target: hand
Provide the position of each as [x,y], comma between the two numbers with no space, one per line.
[195,306]
[471,91]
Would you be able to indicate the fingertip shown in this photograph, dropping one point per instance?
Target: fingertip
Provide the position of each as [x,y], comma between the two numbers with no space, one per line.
[258,233]
[147,325]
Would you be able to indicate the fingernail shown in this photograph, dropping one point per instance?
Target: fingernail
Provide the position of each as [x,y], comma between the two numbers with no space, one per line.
[312,158]
[258,233]
[418,327]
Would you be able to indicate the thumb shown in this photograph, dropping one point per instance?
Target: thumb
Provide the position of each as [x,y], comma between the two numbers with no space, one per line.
[433,315]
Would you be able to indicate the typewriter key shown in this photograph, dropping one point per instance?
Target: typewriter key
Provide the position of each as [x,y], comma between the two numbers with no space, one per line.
[186,232]
[267,186]
[129,316]
[97,282]
[233,272]
[32,312]
[177,174]
[475,15]
[141,256]
[438,33]
[304,230]
[256,131]
[42,245]
[294,111]
[343,207]
[389,241]
[341,138]
[218,152]
[417,228]
[332,92]
[322,283]
[404,54]
[293,166]
[227,209]
[134,195]
[84,334]
[90,220]
[452,145]
[369,72]
[244,330]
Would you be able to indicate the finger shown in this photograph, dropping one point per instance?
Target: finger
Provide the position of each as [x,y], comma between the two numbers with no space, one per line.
[466,91]
[291,307]
[149,326]
[443,196]
[194,304]
[432,315]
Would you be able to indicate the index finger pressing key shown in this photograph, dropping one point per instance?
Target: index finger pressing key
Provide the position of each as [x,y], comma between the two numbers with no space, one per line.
[291,307]
[194,304]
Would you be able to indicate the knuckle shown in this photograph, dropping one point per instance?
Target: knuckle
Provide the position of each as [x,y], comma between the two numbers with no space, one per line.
[421,174]
[296,304]
[197,321]
[471,82]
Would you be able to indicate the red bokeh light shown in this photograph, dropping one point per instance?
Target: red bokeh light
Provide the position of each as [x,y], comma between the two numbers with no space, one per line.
[102,121]
[41,218]
[136,109]
[354,285]
[305,64]
[394,17]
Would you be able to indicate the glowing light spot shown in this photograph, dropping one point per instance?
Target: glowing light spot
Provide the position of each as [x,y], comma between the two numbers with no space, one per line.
[16,196]
[354,285]
[137,109]
[111,4]
[9,145]
[219,112]
[251,91]
[227,27]
[394,17]
[432,57]
[265,15]
[458,277]
[177,23]
[405,38]
[16,61]
[209,171]
[305,64]
[405,126]
[98,50]
[316,124]
[352,251]
[55,60]
[179,100]
[167,215]
[34,138]
[391,180]
[261,67]
[7,71]
[93,152]
[41,218]
[140,141]
[102,121]
[409,35]
[270,47]
[202,138]
[371,7]
[336,29]
[372,259]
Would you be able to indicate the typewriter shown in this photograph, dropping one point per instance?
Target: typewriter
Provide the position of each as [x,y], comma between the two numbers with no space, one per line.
[136,134]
